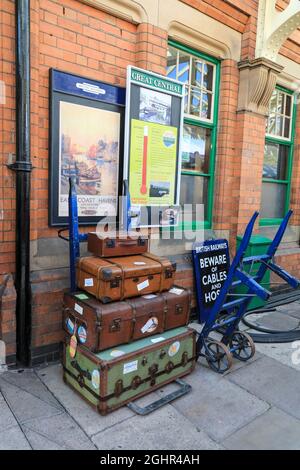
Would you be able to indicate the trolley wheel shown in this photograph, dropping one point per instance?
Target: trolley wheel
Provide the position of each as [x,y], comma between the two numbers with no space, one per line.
[218,356]
[243,344]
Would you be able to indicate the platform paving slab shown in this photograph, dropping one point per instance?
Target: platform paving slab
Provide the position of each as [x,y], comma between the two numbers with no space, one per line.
[271,381]
[164,429]
[24,405]
[13,439]
[83,414]
[216,405]
[285,353]
[273,430]
[62,430]
[28,380]
[7,419]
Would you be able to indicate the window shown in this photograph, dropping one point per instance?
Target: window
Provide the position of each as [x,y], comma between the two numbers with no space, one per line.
[278,156]
[200,74]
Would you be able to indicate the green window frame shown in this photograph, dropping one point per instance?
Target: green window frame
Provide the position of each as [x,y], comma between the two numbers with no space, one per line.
[210,124]
[287,145]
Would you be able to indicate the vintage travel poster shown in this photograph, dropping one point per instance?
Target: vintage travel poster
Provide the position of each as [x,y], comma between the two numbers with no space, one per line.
[89,151]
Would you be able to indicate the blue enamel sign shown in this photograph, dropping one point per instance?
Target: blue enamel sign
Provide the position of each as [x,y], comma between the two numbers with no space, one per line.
[211,264]
[87,88]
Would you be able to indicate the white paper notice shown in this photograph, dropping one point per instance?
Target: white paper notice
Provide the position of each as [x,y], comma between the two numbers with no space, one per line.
[130,367]
[89,282]
[78,309]
[142,285]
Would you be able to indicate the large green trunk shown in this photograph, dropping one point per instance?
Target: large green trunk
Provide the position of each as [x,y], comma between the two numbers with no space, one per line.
[119,375]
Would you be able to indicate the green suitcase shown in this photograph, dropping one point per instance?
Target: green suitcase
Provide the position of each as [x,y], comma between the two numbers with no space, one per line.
[117,376]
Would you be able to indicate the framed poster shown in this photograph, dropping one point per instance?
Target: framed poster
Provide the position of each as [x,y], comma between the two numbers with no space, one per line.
[86,141]
[152,163]
[211,264]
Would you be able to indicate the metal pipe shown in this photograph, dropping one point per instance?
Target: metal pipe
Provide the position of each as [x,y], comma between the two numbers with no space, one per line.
[23,167]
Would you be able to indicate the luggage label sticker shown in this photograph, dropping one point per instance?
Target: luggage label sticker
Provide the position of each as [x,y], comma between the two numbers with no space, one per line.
[150,326]
[89,282]
[174,348]
[176,290]
[116,353]
[149,296]
[130,367]
[82,296]
[70,325]
[96,379]
[73,346]
[78,309]
[139,263]
[157,340]
[142,285]
[82,334]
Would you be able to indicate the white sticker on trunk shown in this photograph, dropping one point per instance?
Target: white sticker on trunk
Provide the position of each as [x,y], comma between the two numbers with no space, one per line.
[157,340]
[176,290]
[78,309]
[130,367]
[96,379]
[116,353]
[89,282]
[139,263]
[142,285]
[150,326]
[149,296]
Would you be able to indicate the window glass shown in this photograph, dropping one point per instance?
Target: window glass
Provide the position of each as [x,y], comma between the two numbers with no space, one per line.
[273,200]
[196,148]
[280,113]
[275,161]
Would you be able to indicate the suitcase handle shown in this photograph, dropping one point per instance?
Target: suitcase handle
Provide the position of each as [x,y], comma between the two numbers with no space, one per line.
[127,243]
[184,388]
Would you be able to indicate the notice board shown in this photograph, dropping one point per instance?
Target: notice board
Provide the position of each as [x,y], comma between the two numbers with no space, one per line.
[152,163]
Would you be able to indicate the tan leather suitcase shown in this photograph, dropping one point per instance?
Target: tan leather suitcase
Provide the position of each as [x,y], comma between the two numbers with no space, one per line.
[122,277]
[98,326]
[106,245]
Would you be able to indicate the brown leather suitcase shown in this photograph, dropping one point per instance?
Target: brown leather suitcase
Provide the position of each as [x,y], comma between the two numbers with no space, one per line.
[99,326]
[122,277]
[106,245]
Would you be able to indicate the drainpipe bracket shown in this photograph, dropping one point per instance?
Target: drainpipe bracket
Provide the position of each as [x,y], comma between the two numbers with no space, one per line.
[21,166]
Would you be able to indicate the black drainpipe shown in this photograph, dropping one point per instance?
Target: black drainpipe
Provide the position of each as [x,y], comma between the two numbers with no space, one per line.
[23,167]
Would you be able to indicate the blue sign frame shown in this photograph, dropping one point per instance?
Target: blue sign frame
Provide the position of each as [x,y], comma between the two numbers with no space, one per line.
[66,87]
[211,264]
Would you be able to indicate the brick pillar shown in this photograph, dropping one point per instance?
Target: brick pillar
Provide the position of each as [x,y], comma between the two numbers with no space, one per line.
[226,197]
[295,186]
[257,82]
[151,48]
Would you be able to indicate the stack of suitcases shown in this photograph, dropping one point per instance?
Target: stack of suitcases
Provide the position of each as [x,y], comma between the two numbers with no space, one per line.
[126,327]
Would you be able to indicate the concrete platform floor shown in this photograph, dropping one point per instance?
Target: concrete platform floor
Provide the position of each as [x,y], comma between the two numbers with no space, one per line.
[256,405]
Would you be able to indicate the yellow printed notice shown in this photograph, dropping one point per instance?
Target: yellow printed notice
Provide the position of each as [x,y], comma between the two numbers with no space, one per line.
[152,169]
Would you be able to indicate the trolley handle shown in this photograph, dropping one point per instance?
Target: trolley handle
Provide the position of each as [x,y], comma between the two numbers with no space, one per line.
[59,233]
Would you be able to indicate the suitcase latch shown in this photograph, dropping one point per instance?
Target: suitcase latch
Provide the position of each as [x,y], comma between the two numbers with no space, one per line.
[152,371]
[168,274]
[184,359]
[110,243]
[169,367]
[141,241]
[115,283]
[144,361]
[178,309]
[115,325]
[162,354]
[118,387]
[136,382]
